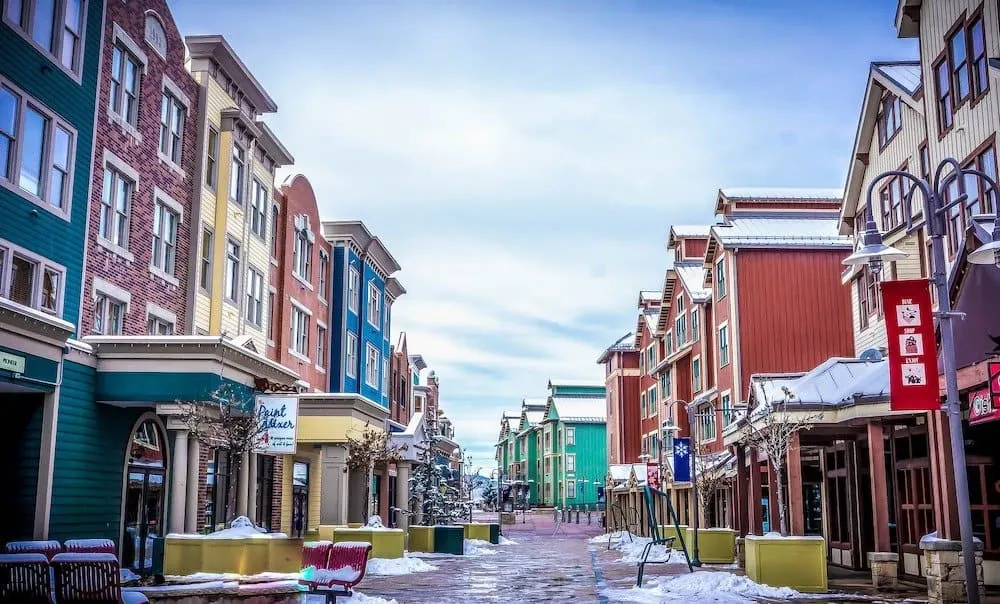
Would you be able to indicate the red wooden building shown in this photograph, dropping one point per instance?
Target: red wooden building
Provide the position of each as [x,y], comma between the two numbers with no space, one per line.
[621,375]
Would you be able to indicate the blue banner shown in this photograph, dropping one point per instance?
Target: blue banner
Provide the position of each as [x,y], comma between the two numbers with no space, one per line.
[682,460]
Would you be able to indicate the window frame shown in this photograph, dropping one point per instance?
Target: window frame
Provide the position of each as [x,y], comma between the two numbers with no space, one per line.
[302,251]
[173,154]
[943,102]
[117,169]
[237,171]
[723,337]
[374,303]
[42,266]
[75,71]
[696,375]
[351,355]
[158,258]
[205,258]
[720,278]
[258,209]
[212,157]
[322,281]
[232,271]
[571,437]
[118,93]
[299,327]
[354,290]
[320,359]
[369,364]
[890,108]
[254,297]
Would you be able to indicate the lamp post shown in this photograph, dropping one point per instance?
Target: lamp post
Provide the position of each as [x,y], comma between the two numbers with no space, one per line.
[874,252]
[695,560]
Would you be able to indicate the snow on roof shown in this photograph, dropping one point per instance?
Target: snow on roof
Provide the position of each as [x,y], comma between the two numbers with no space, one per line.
[572,408]
[833,382]
[626,343]
[690,230]
[622,471]
[534,417]
[782,230]
[649,295]
[652,318]
[512,414]
[749,193]
[534,403]
[906,74]
[692,275]
[564,383]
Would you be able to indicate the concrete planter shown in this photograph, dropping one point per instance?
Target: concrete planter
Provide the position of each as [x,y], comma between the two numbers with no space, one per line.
[284,555]
[477,530]
[421,539]
[325,531]
[352,534]
[182,555]
[667,531]
[715,545]
[387,543]
[796,562]
[244,556]
[449,540]
[355,524]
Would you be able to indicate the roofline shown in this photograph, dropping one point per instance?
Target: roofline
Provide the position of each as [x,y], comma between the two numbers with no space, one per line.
[273,147]
[355,231]
[216,47]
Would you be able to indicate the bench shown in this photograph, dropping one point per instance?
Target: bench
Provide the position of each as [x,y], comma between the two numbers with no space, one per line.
[343,568]
[91,577]
[46,548]
[25,578]
[90,546]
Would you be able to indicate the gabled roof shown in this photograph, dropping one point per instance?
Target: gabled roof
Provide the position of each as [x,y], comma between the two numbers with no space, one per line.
[576,409]
[834,382]
[905,75]
[782,230]
[417,360]
[689,230]
[669,283]
[565,383]
[692,276]
[774,193]
[623,344]
[648,295]
[647,319]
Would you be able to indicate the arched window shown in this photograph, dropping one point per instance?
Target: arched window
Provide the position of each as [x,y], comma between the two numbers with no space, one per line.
[145,483]
[156,36]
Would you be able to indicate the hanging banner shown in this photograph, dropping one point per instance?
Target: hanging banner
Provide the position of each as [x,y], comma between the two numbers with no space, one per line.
[276,419]
[653,475]
[984,404]
[682,459]
[909,327]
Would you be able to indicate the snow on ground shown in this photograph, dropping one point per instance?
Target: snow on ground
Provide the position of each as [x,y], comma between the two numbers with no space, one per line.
[632,549]
[702,586]
[398,566]
[478,547]
[357,598]
[506,541]
[613,537]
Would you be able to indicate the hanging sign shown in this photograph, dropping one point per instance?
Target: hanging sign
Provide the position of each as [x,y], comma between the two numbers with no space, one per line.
[984,404]
[653,475]
[682,459]
[277,416]
[909,326]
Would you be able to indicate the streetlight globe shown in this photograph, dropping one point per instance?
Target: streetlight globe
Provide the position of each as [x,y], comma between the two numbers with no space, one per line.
[875,252]
[988,253]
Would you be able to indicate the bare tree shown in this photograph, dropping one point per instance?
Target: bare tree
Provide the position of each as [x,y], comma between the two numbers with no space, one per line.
[772,432]
[711,478]
[367,450]
[227,422]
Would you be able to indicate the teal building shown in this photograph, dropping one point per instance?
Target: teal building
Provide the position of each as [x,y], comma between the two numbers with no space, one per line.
[572,444]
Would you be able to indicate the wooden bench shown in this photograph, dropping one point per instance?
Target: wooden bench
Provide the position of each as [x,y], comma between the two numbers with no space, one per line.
[90,577]
[25,578]
[343,568]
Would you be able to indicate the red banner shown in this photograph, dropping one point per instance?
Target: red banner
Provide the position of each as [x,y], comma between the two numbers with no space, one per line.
[653,475]
[984,405]
[909,326]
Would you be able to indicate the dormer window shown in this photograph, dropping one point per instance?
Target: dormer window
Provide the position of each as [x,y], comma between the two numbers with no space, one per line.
[302,250]
[890,119]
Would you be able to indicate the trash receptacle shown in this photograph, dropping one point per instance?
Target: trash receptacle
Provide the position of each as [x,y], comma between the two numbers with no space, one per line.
[449,540]
[494,533]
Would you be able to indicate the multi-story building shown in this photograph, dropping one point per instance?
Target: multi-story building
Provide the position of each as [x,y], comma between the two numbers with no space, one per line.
[573,439]
[621,374]
[648,348]
[505,442]
[527,438]
[401,382]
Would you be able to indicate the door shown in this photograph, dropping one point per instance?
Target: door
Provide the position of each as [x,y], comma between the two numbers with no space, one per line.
[142,521]
[300,498]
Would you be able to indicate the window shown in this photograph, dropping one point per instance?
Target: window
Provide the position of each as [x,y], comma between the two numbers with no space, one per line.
[944,102]
[171,128]
[977,43]
[302,256]
[891,203]
[255,297]
[925,163]
[706,419]
[642,405]
[680,327]
[321,346]
[116,202]
[232,276]
[125,76]
[157,326]
[374,305]
[258,212]
[30,280]
[109,316]
[371,367]
[165,221]
[570,462]
[273,322]
[723,345]
[868,297]
[696,375]
[236,174]
[205,279]
[354,289]
[571,436]
[274,231]
[727,409]
[890,119]
[351,355]
[665,382]
[37,148]
[300,331]
[212,158]
[39,18]
[385,376]
[720,279]
[570,489]
[694,325]
[324,269]
[958,57]
[670,342]
[652,401]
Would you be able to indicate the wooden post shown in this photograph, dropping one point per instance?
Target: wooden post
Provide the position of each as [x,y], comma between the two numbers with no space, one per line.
[796,507]
[880,497]
[942,476]
[756,511]
[742,495]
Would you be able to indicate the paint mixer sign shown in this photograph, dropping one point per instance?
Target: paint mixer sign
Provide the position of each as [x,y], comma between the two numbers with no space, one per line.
[276,417]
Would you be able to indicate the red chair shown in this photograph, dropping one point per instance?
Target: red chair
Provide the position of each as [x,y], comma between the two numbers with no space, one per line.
[83,577]
[315,553]
[25,578]
[90,546]
[47,548]
[345,568]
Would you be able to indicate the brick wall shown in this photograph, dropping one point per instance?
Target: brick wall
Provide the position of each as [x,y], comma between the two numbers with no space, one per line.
[140,154]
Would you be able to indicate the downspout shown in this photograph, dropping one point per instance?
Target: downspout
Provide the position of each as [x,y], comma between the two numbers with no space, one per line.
[734,301]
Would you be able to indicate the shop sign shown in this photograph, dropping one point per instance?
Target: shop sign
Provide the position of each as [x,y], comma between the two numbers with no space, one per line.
[12,362]
[653,475]
[909,325]
[277,417]
[984,404]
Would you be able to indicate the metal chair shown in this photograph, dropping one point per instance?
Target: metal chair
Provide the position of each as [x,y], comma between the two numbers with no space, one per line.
[25,578]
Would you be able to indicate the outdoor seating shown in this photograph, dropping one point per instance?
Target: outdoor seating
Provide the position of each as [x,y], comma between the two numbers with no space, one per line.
[47,548]
[25,578]
[344,568]
[91,577]
[90,546]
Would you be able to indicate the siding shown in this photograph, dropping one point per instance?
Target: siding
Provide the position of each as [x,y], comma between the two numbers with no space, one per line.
[591,460]
[89,460]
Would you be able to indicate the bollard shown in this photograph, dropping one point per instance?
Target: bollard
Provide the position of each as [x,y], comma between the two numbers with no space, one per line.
[588,517]
[578,515]
[555,514]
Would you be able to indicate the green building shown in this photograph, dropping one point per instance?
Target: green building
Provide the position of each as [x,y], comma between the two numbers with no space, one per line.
[571,439]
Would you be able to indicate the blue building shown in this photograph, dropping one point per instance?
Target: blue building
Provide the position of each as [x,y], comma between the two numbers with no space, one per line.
[363,292]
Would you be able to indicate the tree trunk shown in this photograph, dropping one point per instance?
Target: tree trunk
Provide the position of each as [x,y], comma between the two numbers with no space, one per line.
[235,461]
[779,473]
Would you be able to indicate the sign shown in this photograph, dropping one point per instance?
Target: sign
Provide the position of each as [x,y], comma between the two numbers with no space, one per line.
[984,404]
[12,362]
[682,459]
[277,416]
[909,327]
[653,475]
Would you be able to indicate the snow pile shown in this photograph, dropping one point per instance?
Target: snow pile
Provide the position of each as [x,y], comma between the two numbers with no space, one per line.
[360,598]
[506,541]
[478,547]
[632,552]
[374,522]
[612,537]
[398,566]
[240,527]
[703,587]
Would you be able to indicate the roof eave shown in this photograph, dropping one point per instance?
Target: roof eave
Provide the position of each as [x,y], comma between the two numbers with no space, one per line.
[217,48]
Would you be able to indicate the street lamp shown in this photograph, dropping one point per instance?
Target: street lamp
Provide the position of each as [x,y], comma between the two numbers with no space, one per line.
[695,560]
[874,252]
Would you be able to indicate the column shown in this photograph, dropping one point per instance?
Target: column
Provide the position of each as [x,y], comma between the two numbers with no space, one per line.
[942,476]
[241,485]
[252,488]
[755,509]
[178,481]
[742,495]
[383,496]
[193,482]
[880,497]
[796,507]
[46,461]
[402,493]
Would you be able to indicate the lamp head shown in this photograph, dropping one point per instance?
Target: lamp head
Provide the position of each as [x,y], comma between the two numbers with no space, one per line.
[988,253]
[873,251]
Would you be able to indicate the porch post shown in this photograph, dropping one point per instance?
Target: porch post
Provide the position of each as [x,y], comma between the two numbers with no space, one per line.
[252,488]
[741,497]
[796,508]
[773,513]
[942,475]
[755,525]
[402,494]
[193,482]
[178,481]
[241,486]
[383,495]
[880,497]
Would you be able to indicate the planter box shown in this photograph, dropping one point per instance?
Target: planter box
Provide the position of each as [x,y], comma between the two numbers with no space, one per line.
[223,555]
[255,556]
[387,543]
[182,555]
[715,545]
[284,555]
[449,540]
[240,555]
[325,531]
[796,562]
[495,534]
[476,530]
[352,534]
[421,539]
[355,524]
[668,530]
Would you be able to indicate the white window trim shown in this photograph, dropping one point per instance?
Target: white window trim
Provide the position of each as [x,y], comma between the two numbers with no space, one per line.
[156,311]
[701,375]
[350,368]
[263,298]
[368,306]
[159,196]
[725,279]
[266,213]
[353,302]
[326,349]
[43,263]
[732,408]
[571,456]
[100,286]
[321,291]
[120,36]
[368,348]
[270,314]
[168,86]
[60,20]
[120,165]
[571,432]
[291,345]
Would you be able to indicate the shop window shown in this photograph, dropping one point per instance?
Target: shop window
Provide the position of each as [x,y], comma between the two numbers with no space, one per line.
[218,483]
[913,488]
[265,491]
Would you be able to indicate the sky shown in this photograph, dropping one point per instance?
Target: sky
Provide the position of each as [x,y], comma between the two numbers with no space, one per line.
[524,160]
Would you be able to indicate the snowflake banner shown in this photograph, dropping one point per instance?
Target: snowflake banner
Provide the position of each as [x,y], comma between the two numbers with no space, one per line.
[682,460]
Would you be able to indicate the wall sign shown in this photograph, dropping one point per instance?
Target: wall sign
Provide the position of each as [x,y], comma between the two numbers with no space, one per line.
[12,362]
[984,404]
[909,326]
[277,416]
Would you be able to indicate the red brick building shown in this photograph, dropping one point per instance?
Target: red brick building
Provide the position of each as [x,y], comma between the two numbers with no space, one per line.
[621,376]
[298,242]
[146,136]
[400,383]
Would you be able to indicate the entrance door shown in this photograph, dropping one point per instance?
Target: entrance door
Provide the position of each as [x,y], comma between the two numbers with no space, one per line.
[144,490]
[300,498]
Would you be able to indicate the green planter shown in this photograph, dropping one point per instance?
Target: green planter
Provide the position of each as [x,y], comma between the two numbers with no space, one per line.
[449,540]
[494,533]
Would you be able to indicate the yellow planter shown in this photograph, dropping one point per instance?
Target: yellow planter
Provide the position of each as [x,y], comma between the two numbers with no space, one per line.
[477,530]
[255,556]
[311,535]
[387,543]
[182,555]
[796,562]
[715,545]
[223,555]
[667,531]
[355,524]
[421,539]
[284,555]
[352,534]
[239,555]
[325,531]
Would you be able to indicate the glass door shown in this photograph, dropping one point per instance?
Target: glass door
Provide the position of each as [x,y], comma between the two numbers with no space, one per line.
[144,491]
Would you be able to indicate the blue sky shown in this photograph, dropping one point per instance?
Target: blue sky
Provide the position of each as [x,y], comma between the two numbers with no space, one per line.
[524,160]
